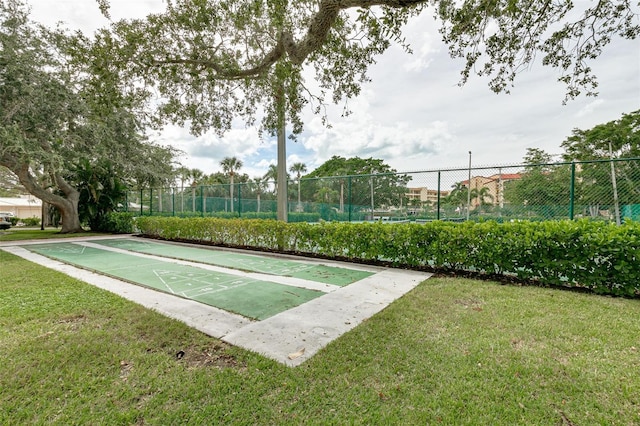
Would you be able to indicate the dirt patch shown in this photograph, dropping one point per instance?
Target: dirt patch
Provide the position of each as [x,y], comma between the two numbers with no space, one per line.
[216,355]
[73,322]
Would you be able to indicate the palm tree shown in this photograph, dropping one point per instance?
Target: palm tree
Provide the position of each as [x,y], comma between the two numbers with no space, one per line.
[458,196]
[481,195]
[298,169]
[209,184]
[230,165]
[272,175]
[183,174]
[195,175]
[259,185]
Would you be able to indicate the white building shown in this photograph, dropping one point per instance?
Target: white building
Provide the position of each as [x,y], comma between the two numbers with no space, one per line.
[23,207]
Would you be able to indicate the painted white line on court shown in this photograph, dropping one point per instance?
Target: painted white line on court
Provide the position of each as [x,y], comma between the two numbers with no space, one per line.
[290,281]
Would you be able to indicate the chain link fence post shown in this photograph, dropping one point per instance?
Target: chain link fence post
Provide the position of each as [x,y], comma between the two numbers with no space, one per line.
[572,190]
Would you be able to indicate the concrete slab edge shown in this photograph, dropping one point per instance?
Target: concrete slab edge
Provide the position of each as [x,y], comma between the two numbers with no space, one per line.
[294,336]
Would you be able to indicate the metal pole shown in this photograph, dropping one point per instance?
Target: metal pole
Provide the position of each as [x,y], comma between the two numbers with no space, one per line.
[204,201]
[438,204]
[372,205]
[500,190]
[349,198]
[572,191]
[469,188]
[239,200]
[615,186]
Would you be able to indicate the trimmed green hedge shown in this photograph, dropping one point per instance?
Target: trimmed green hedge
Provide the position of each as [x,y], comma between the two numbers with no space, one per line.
[595,255]
[117,223]
[292,216]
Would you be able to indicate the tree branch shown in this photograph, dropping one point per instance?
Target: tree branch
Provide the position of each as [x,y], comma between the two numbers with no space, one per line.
[230,74]
[319,27]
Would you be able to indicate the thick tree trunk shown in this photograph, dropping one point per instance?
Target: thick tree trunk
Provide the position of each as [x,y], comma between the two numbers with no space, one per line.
[67,205]
[70,218]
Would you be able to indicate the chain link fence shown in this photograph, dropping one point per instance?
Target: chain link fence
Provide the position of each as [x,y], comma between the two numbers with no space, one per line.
[606,190]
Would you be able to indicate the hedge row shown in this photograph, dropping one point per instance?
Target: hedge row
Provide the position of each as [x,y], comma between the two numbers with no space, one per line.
[595,255]
[116,222]
[292,217]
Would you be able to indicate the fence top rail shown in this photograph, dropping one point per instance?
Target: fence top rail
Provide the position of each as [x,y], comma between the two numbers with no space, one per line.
[407,173]
[521,165]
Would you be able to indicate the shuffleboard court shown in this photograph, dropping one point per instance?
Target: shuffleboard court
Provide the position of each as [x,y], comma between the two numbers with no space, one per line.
[296,317]
[249,297]
[339,276]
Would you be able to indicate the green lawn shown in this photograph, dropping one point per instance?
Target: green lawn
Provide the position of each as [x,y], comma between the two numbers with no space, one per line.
[452,351]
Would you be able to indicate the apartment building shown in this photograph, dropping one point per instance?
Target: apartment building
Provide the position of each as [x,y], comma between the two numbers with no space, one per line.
[494,194]
[425,195]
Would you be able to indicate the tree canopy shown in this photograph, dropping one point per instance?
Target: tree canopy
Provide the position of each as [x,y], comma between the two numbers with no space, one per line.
[213,61]
[61,116]
[338,176]
[544,187]
[545,184]
[617,139]
[623,134]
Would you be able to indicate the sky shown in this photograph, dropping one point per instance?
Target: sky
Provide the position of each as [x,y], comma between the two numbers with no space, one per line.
[413,115]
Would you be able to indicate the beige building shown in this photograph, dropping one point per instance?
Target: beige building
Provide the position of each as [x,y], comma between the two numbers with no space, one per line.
[23,207]
[425,195]
[494,194]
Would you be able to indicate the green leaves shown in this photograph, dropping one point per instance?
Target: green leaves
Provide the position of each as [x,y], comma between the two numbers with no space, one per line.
[63,108]
[597,256]
[214,61]
[593,144]
[499,38]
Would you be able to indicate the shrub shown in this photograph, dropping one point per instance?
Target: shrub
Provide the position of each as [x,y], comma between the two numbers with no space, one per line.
[602,257]
[29,221]
[117,223]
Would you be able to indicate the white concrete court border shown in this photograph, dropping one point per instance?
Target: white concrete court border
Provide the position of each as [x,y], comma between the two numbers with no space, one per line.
[290,337]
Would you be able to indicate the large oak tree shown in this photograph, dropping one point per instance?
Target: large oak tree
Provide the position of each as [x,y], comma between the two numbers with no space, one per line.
[60,113]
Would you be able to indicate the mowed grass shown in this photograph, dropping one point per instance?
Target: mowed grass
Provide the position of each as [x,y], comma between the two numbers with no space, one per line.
[452,351]
[22,234]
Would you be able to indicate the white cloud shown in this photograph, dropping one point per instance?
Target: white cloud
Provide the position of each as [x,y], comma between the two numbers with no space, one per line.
[589,108]
[361,134]
[425,47]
